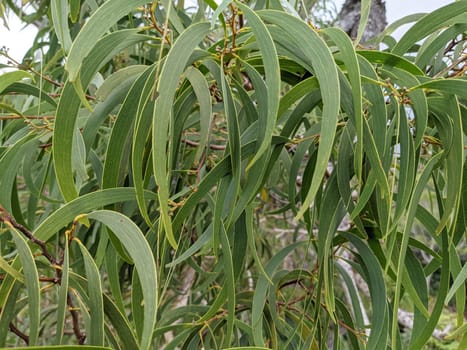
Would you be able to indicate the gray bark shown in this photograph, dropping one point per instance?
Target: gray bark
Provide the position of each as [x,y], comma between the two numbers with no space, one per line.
[349,18]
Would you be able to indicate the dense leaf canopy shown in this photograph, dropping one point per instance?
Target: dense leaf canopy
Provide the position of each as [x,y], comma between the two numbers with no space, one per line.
[232,176]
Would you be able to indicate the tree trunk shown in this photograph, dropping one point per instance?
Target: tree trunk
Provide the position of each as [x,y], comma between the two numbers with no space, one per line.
[349,18]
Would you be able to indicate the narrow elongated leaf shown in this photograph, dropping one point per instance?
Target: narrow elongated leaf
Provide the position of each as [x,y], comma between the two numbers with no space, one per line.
[424,177]
[70,102]
[63,216]
[32,284]
[447,110]
[62,306]
[378,292]
[27,89]
[353,70]
[428,24]
[162,117]
[319,56]
[365,6]
[96,305]
[60,11]
[105,16]
[259,297]
[458,282]
[201,89]
[11,77]
[5,266]
[138,248]
[268,51]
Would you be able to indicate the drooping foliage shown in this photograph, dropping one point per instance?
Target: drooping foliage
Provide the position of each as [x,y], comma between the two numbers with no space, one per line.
[230,175]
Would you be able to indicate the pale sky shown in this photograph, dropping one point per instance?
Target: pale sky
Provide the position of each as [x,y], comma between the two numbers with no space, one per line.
[18,40]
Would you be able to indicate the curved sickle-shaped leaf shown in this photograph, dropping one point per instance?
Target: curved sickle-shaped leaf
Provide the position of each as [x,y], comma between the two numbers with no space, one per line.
[11,77]
[60,11]
[390,60]
[10,270]
[319,56]
[428,24]
[446,109]
[31,277]
[365,6]
[121,131]
[262,287]
[449,86]
[62,305]
[421,183]
[173,68]
[349,57]
[109,13]
[273,81]
[375,282]
[70,102]
[139,250]
[81,205]
[10,162]
[96,304]
[201,89]
[27,89]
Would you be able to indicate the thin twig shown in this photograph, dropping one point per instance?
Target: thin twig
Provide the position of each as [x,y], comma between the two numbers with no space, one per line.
[6,218]
[75,318]
[211,146]
[20,334]
[54,280]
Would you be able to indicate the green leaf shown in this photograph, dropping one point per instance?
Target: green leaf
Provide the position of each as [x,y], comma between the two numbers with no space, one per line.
[31,277]
[162,128]
[319,57]
[101,21]
[96,305]
[201,89]
[365,6]
[5,266]
[82,205]
[75,7]
[447,111]
[60,11]
[62,305]
[11,77]
[390,59]
[261,290]
[458,282]
[268,51]
[349,57]
[70,102]
[420,185]
[374,278]
[138,248]
[428,24]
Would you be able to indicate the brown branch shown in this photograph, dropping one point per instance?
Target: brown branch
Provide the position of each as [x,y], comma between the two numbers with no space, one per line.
[164,34]
[42,76]
[54,280]
[20,334]
[75,318]
[211,146]
[6,218]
